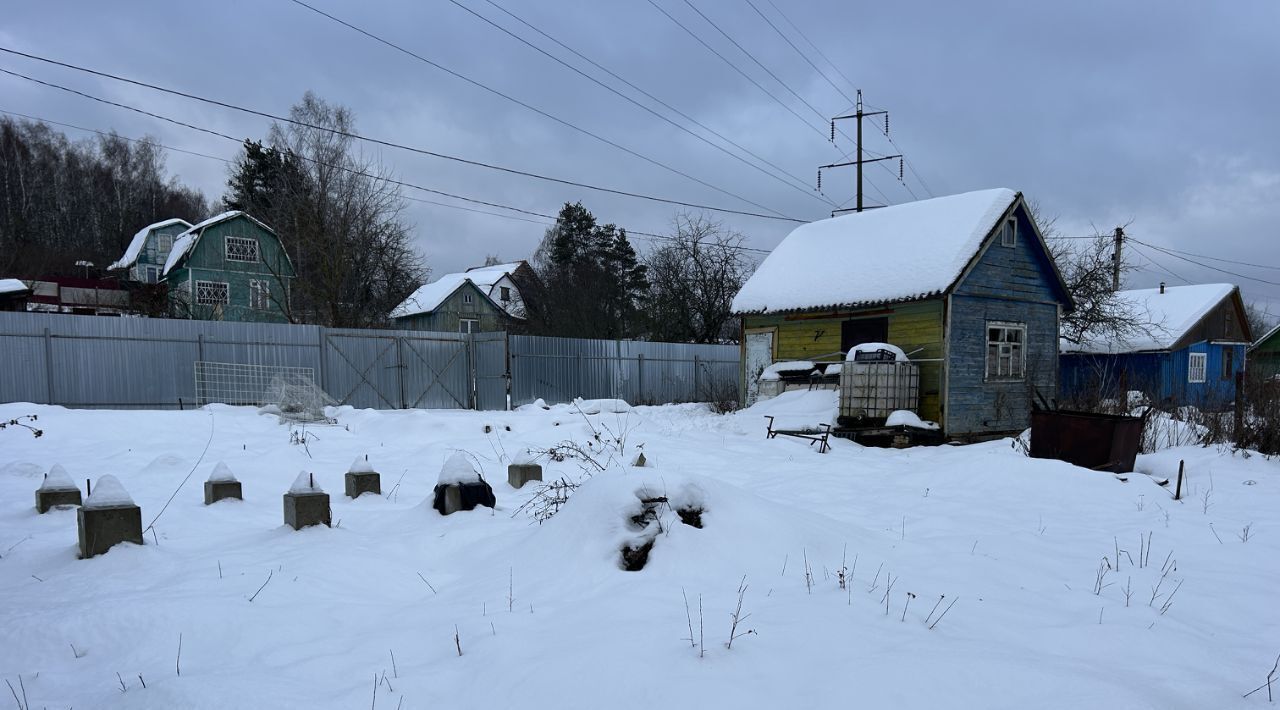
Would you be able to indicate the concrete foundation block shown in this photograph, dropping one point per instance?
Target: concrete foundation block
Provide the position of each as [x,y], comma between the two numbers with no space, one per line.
[519,474]
[52,497]
[305,509]
[453,497]
[103,527]
[215,491]
[363,482]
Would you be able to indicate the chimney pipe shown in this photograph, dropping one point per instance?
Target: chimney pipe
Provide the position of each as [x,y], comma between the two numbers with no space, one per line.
[1161,287]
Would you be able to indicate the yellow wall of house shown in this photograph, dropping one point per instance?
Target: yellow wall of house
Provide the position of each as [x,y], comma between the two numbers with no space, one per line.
[916,327]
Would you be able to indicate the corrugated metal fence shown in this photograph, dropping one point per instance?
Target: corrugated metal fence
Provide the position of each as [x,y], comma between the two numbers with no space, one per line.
[89,361]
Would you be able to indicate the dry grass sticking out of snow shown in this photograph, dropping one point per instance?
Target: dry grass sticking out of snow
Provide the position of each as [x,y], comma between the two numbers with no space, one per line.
[921,578]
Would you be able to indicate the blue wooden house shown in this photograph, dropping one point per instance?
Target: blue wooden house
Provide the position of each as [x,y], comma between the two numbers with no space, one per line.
[1186,350]
[964,284]
[229,267]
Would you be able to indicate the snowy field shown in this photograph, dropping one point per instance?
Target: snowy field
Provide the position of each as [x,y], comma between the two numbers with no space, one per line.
[373,612]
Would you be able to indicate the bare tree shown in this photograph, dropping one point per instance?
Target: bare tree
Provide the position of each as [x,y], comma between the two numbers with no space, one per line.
[339,215]
[1259,319]
[693,279]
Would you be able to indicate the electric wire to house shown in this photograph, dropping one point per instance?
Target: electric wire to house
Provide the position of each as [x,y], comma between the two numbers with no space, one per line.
[354,136]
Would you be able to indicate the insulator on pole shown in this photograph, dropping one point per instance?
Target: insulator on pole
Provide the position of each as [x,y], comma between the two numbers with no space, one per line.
[899,169]
[833,130]
[886,125]
[819,179]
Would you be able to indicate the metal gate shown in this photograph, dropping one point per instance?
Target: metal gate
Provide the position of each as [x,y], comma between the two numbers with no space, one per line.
[430,371]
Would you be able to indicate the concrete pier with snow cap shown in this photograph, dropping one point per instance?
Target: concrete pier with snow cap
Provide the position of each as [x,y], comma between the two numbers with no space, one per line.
[222,484]
[306,503]
[107,518]
[461,487]
[523,469]
[57,490]
[361,478]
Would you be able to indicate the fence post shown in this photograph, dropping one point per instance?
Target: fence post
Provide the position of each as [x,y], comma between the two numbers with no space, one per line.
[640,378]
[695,379]
[400,368]
[1238,431]
[48,364]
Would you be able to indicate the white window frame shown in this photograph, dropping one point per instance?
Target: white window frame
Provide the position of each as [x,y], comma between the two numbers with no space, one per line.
[226,292]
[1014,352]
[150,274]
[1197,367]
[1009,233]
[464,328]
[164,244]
[243,243]
[259,294]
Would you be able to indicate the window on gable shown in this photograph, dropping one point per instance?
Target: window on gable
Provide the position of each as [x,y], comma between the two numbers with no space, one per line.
[505,293]
[468,298]
[1009,233]
[242,249]
[164,244]
[212,293]
[1006,351]
[1196,365]
[259,294]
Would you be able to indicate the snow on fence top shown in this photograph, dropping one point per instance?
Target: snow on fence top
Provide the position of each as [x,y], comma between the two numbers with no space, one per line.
[222,474]
[108,493]
[361,465]
[1163,318]
[57,479]
[140,240]
[305,483]
[897,253]
[458,469]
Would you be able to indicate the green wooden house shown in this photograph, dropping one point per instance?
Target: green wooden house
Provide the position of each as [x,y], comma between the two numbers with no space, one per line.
[230,267]
[1264,355]
[143,260]
[480,299]
[964,284]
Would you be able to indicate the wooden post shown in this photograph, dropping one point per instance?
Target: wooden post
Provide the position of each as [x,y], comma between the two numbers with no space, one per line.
[1177,492]
[1238,431]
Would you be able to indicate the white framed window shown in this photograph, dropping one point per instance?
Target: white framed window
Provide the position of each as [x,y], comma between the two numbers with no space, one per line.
[242,249]
[259,294]
[1006,350]
[152,274]
[1196,364]
[164,244]
[213,293]
[1009,233]
[468,298]
[468,325]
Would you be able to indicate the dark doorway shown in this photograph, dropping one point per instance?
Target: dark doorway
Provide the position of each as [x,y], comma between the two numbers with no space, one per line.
[863,330]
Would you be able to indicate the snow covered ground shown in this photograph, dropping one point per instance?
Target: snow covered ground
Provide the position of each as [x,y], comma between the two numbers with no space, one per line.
[544,615]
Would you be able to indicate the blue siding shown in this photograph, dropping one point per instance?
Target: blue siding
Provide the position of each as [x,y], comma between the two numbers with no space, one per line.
[1161,376]
[1010,284]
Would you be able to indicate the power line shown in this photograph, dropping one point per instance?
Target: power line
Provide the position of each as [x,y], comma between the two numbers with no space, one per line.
[552,218]
[1203,265]
[803,56]
[804,190]
[354,136]
[540,112]
[1225,261]
[815,48]
[650,96]
[1157,264]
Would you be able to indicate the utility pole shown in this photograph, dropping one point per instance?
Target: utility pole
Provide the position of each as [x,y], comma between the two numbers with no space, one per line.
[858,115]
[1115,259]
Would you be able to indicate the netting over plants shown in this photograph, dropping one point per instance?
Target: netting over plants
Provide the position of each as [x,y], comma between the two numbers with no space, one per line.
[297,398]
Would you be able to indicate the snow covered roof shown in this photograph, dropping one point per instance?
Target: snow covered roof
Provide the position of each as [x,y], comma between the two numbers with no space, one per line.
[1164,318]
[140,240]
[13,286]
[898,253]
[185,242]
[428,297]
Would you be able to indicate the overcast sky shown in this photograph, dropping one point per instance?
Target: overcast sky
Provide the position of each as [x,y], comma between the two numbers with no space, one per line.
[1161,114]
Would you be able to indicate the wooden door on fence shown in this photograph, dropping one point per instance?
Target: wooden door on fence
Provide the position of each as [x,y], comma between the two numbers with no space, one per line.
[397,372]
